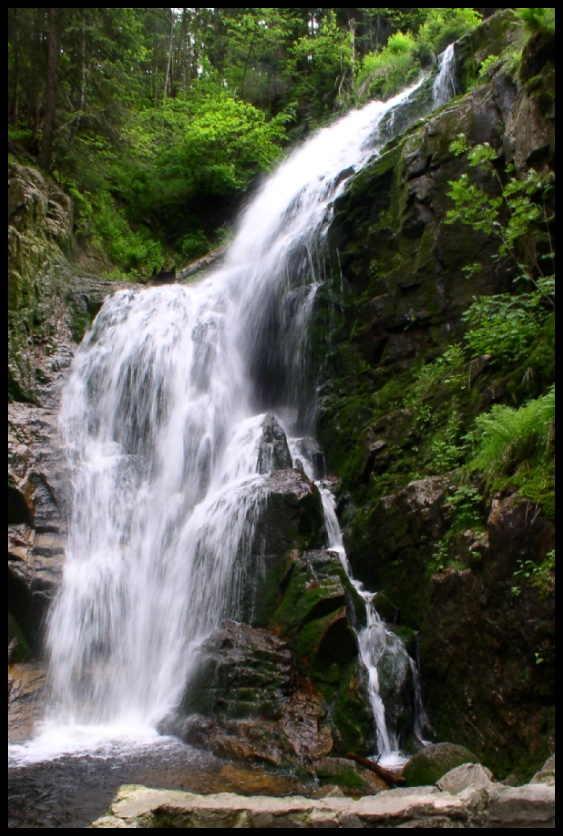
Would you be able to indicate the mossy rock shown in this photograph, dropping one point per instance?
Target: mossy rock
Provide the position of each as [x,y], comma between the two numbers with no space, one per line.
[18,646]
[428,766]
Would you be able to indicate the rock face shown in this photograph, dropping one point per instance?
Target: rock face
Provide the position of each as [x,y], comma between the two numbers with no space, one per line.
[273,453]
[26,699]
[285,687]
[36,517]
[396,304]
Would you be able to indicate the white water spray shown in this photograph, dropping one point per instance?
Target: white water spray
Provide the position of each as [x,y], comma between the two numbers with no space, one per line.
[445,85]
[162,417]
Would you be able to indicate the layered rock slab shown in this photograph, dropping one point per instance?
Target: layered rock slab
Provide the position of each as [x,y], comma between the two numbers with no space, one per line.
[530,806]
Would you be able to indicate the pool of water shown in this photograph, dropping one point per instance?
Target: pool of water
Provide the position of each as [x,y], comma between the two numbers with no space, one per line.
[72,790]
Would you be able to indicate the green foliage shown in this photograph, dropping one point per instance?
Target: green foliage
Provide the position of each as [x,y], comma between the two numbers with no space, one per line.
[442,26]
[507,439]
[445,369]
[534,19]
[465,509]
[446,446]
[193,245]
[503,327]
[321,65]
[211,144]
[128,249]
[541,576]
[487,64]
[514,211]
[465,505]
[384,71]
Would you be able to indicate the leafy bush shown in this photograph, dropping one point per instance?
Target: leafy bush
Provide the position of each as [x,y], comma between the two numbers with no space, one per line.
[541,576]
[210,144]
[442,26]
[535,19]
[444,369]
[514,210]
[128,249]
[193,245]
[487,64]
[503,327]
[508,438]
[385,71]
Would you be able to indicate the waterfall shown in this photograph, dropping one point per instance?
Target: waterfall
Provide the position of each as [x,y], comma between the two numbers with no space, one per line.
[445,84]
[162,419]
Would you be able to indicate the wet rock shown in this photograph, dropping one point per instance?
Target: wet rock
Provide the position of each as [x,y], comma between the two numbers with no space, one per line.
[312,452]
[480,641]
[243,671]
[434,761]
[393,552]
[250,704]
[349,774]
[292,691]
[26,699]
[292,516]
[273,451]
[316,612]
[288,516]
[36,534]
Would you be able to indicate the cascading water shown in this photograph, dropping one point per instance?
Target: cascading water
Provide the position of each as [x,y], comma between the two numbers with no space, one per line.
[445,85]
[163,419]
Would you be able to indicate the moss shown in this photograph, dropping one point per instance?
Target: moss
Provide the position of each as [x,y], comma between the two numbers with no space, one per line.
[22,650]
[79,324]
[350,715]
[343,777]
[535,482]
[428,766]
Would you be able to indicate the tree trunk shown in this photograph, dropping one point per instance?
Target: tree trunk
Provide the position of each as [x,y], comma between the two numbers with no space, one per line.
[46,152]
[16,94]
[168,79]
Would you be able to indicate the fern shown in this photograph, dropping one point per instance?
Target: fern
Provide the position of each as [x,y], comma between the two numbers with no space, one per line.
[509,438]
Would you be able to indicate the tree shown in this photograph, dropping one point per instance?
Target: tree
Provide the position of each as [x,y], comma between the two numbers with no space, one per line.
[46,151]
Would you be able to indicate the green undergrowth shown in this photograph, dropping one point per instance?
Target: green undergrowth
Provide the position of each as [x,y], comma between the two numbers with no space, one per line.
[383,72]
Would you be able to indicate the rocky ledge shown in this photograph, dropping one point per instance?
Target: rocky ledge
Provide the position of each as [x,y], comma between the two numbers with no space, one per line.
[464,797]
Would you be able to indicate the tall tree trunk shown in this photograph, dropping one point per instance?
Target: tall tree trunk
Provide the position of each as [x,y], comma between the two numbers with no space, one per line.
[183,50]
[16,93]
[168,79]
[46,151]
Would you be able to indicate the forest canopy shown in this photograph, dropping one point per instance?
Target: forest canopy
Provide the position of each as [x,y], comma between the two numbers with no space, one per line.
[157,120]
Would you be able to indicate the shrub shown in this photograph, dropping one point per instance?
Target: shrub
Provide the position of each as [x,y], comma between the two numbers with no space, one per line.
[508,438]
